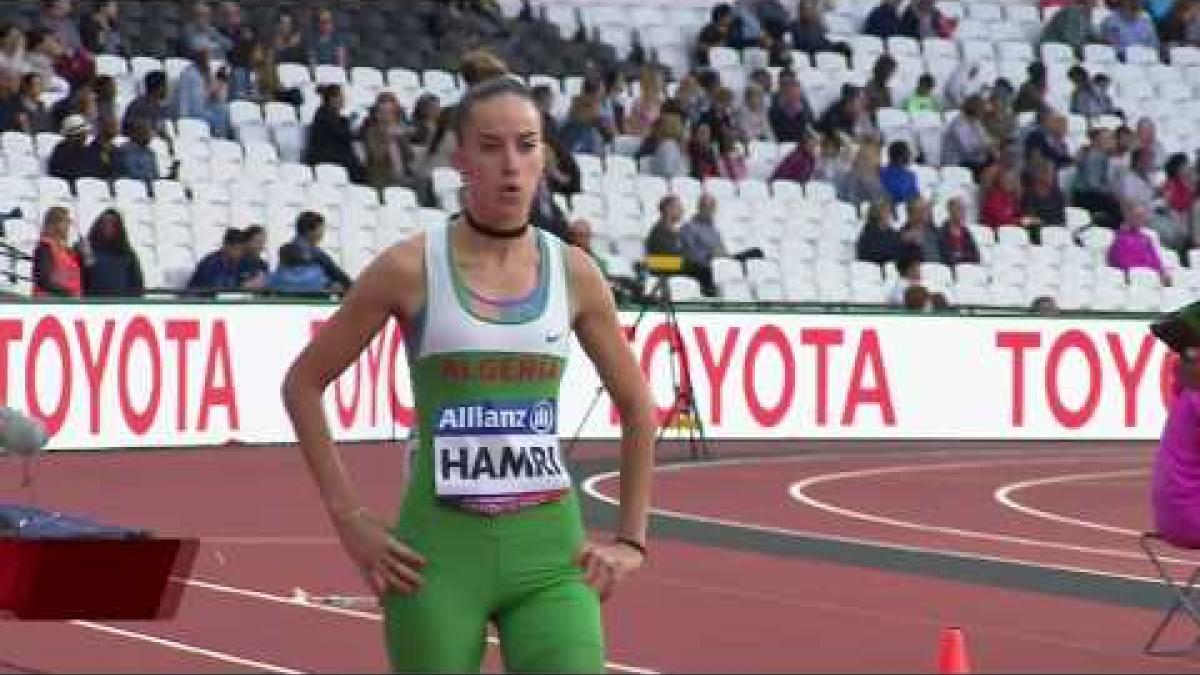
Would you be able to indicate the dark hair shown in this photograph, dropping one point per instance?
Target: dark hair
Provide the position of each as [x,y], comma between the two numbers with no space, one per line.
[308,222]
[505,85]
[898,152]
[1175,164]
[253,231]
[233,237]
[926,81]
[156,80]
[119,244]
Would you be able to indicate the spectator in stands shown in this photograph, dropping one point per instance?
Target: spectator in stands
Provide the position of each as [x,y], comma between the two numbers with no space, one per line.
[808,31]
[1088,99]
[330,138]
[136,159]
[1179,193]
[425,115]
[1000,205]
[722,115]
[1181,27]
[106,102]
[74,64]
[753,117]
[44,51]
[861,183]
[910,291]
[545,99]
[1133,248]
[965,142]
[878,91]
[582,133]
[12,48]
[297,273]
[310,229]
[834,158]
[1072,25]
[609,92]
[1127,25]
[731,156]
[879,242]
[10,101]
[151,105]
[1031,97]
[82,101]
[36,117]
[73,157]
[1122,156]
[254,75]
[689,100]
[100,32]
[562,171]
[288,41]
[791,116]
[328,47]
[702,157]
[56,264]
[648,105]
[848,115]
[218,271]
[919,234]
[716,33]
[234,29]
[1095,179]
[200,35]
[253,270]
[969,78]
[1042,200]
[662,150]
[898,177]
[999,121]
[1048,142]
[1044,305]
[1137,187]
[664,238]
[1147,137]
[389,155]
[702,241]
[110,265]
[955,241]
[203,93]
[924,97]
[923,21]
[799,164]
[884,21]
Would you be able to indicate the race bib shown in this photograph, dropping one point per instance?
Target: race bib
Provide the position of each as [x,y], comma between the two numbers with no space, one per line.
[498,449]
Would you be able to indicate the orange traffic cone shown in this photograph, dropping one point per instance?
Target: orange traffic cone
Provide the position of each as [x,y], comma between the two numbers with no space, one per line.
[952,653]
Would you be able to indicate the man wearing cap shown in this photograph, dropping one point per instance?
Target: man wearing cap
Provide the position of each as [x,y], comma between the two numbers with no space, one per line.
[73,158]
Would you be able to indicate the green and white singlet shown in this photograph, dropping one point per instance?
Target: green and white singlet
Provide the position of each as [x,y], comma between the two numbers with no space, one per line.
[490,503]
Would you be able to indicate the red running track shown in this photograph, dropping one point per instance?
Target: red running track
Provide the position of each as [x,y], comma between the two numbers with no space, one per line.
[696,607]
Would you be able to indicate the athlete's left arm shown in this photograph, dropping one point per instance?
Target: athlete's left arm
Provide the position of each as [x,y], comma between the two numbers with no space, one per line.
[599,333]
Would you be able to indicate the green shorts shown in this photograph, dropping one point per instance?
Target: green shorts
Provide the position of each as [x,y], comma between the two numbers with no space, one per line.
[516,571]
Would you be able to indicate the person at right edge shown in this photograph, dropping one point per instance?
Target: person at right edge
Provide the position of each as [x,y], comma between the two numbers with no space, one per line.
[489,530]
[1175,491]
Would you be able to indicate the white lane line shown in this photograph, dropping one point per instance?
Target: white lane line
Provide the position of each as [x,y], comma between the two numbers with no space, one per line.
[589,486]
[187,648]
[1005,492]
[798,492]
[358,614]
[1004,496]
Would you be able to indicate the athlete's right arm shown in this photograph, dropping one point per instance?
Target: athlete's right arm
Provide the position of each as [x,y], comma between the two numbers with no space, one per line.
[393,284]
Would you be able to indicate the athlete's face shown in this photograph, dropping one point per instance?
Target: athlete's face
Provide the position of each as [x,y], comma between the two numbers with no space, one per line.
[500,159]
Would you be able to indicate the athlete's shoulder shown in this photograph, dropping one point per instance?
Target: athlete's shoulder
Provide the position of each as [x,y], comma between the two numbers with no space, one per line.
[589,288]
[396,276]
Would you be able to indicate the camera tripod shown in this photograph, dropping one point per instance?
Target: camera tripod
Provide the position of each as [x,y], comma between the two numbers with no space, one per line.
[683,414]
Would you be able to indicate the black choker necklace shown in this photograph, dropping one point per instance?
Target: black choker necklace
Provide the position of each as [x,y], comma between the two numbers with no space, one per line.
[488,231]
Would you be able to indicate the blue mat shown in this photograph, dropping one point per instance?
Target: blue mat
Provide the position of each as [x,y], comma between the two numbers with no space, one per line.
[27,522]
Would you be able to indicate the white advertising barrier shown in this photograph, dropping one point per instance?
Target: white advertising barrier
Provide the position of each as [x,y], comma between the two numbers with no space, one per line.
[104,376]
